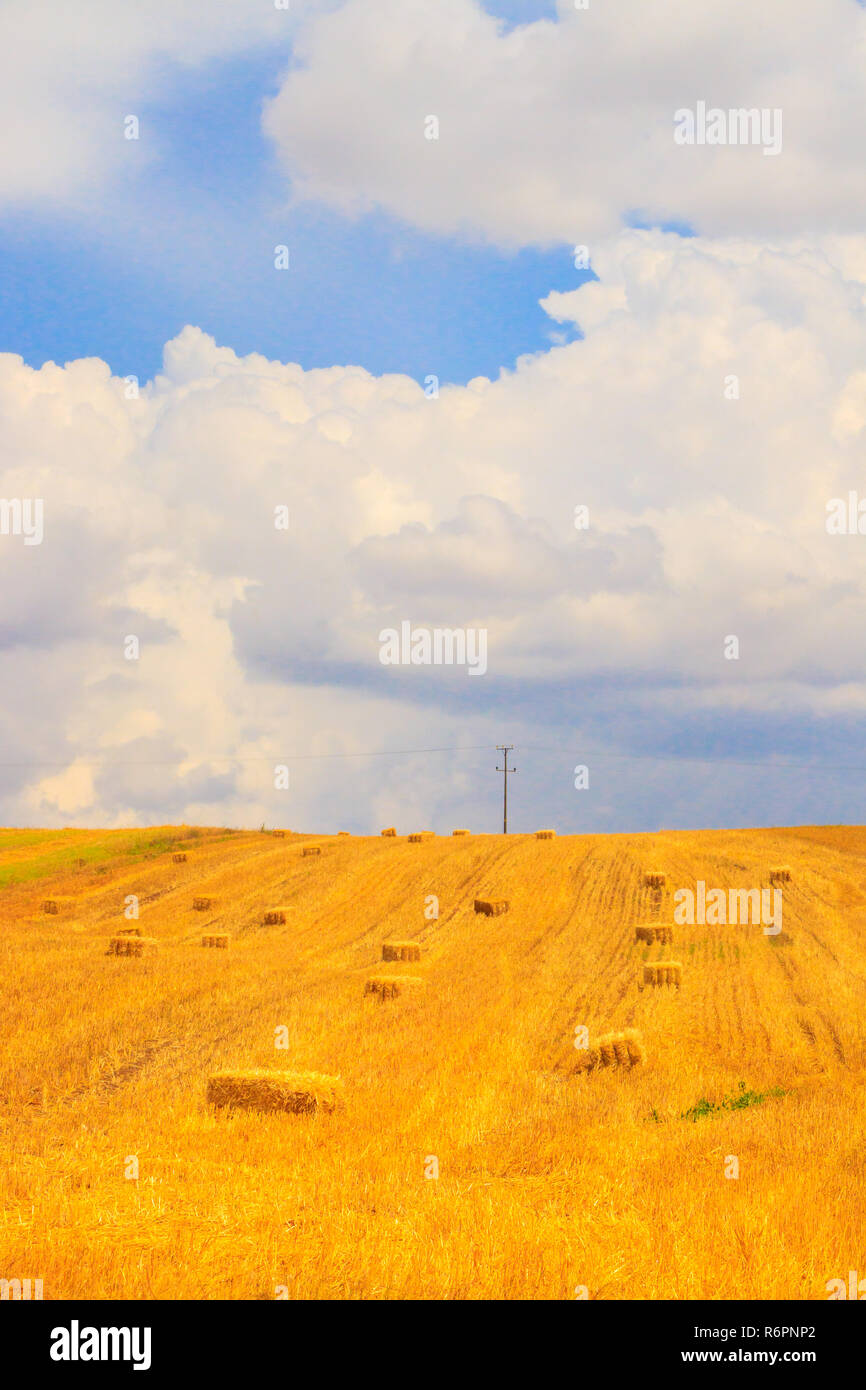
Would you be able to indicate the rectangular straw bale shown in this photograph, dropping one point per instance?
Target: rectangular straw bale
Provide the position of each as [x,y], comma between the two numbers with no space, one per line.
[178,859]
[390,831]
[545,834]
[391,986]
[461,832]
[202,904]
[654,878]
[663,972]
[655,931]
[269,1091]
[492,907]
[275,916]
[621,1050]
[133,946]
[780,874]
[311,849]
[218,939]
[401,950]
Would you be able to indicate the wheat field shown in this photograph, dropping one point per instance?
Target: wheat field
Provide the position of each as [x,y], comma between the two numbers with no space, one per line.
[472,1157]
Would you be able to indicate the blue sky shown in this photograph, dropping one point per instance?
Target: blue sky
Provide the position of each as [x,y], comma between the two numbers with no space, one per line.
[189,237]
[707,515]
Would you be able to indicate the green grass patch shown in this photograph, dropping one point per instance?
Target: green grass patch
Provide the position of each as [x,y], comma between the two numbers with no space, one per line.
[120,847]
[741,1100]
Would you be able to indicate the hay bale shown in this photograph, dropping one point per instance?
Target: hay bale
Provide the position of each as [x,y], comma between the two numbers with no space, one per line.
[278,834]
[80,863]
[310,849]
[51,906]
[275,916]
[461,832]
[128,931]
[219,939]
[663,972]
[178,859]
[492,907]
[654,878]
[127,945]
[391,986]
[545,834]
[389,831]
[202,904]
[780,874]
[294,1092]
[623,1050]
[655,931]
[344,832]
[401,950]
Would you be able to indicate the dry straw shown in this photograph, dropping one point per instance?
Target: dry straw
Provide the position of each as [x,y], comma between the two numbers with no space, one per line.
[391,986]
[132,946]
[780,874]
[202,904]
[655,931]
[492,907]
[401,950]
[461,832]
[663,972]
[390,831]
[178,859]
[545,834]
[311,849]
[295,1092]
[624,1050]
[219,939]
[654,878]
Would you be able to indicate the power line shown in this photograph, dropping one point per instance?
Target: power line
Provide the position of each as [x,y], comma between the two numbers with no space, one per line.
[72,761]
[667,759]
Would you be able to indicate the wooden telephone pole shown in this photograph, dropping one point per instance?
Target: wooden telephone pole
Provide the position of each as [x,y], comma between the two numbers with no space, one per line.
[505,748]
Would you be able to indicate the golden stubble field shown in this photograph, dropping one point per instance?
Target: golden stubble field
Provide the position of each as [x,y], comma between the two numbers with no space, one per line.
[548,1181]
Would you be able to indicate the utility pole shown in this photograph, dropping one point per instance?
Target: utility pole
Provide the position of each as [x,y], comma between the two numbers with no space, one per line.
[505,748]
